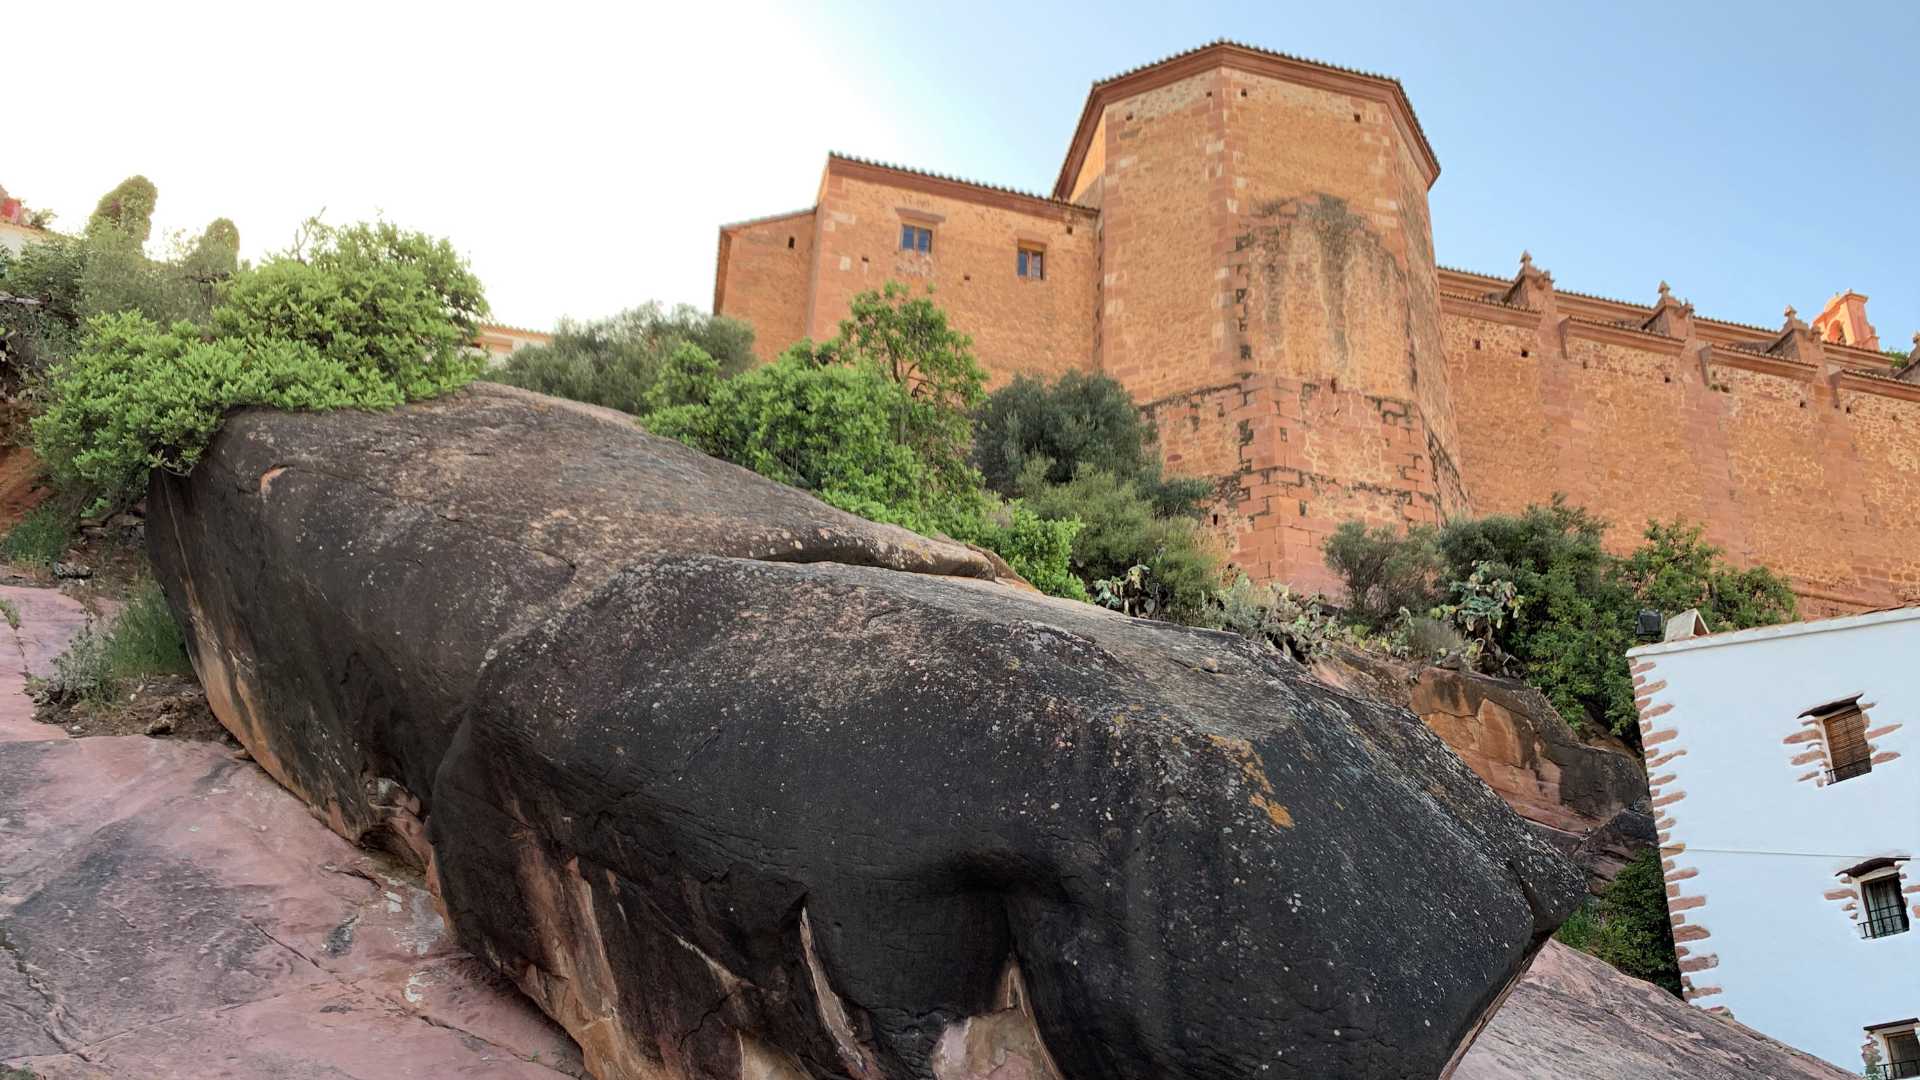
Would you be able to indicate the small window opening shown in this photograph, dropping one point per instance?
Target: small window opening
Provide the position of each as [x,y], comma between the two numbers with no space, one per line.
[1356,118]
[1523,354]
[1476,344]
[1845,727]
[916,238]
[1243,93]
[1069,230]
[1886,912]
[1032,263]
[1903,1054]
[789,243]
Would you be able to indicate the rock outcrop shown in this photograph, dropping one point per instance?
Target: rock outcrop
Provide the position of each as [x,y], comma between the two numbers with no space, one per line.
[168,913]
[735,785]
[1587,797]
[1575,1018]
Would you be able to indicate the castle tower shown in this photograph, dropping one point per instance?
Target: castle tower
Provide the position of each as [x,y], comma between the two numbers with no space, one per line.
[1268,292]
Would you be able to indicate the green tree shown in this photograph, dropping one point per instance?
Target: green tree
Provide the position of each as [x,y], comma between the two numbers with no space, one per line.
[1079,421]
[616,362]
[59,283]
[873,422]
[127,210]
[907,338]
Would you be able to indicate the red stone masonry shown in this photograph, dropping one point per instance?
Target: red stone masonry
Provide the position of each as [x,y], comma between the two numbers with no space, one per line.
[1242,239]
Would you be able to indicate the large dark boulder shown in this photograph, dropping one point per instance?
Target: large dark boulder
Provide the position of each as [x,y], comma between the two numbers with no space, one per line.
[736,785]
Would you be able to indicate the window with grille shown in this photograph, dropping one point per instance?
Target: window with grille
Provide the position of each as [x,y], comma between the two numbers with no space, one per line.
[1903,1058]
[1847,753]
[1886,908]
[1032,263]
[916,238]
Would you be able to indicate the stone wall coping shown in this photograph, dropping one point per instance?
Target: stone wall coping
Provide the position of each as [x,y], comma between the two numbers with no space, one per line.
[1232,54]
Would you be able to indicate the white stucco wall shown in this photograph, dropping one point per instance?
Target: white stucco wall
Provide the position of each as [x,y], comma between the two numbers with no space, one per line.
[1764,844]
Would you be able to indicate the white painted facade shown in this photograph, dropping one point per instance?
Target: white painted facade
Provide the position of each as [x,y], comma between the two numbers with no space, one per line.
[1756,834]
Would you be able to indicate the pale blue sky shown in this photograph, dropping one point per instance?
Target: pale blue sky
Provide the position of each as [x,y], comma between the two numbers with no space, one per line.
[584,153]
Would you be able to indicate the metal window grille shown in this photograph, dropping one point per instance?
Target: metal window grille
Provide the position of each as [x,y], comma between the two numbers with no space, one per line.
[1886,908]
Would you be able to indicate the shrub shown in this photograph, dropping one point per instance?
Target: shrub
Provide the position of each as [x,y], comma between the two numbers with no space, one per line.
[1384,571]
[370,317]
[1181,565]
[622,362]
[1537,593]
[62,281]
[144,640]
[1298,625]
[1079,422]
[873,422]
[1628,926]
[39,539]
[828,429]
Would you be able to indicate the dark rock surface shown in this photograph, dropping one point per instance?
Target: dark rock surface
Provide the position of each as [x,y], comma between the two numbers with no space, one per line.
[1574,1018]
[737,785]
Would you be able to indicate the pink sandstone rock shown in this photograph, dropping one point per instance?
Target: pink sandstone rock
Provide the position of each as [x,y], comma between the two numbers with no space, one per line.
[1573,1017]
[167,911]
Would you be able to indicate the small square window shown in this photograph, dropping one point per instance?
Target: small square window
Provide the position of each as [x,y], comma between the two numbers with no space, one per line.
[916,238]
[1033,263]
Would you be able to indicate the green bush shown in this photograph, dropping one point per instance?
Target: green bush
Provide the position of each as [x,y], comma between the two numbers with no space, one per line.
[1121,530]
[1539,592]
[143,640]
[1078,422]
[105,269]
[873,422]
[1628,925]
[369,317]
[1385,571]
[1301,626]
[39,539]
[624,362]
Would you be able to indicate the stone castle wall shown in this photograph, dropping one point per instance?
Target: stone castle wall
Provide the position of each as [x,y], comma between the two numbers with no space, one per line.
[1809,466]
[1242,240]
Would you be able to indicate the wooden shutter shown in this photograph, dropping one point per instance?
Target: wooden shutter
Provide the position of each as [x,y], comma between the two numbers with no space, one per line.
[1847,740]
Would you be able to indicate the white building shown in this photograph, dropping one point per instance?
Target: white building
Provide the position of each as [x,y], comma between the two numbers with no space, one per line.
[1782,766]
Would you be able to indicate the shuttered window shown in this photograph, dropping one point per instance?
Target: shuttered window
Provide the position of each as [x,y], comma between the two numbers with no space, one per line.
[1847,753]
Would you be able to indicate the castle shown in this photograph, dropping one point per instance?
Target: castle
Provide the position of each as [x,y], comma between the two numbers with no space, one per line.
[1241,238]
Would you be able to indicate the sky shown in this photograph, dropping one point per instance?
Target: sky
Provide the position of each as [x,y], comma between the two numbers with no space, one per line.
[582,156]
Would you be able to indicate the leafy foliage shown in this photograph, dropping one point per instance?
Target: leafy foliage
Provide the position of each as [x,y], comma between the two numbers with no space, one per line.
[873,421]
[38,539]
[143,640]
[1628,926]
[621,362]
[907,338]
[1080,421]
[367,317]
[1179,566]
[1385,572]
[127,209]
[1540,589]
[57,285]
[1301,626]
